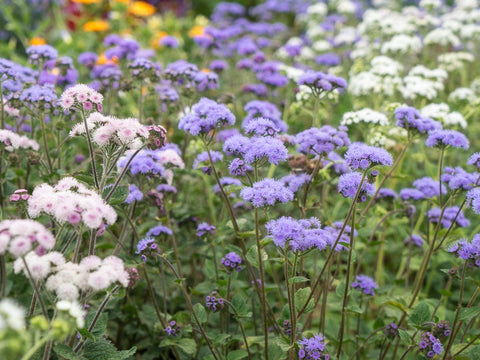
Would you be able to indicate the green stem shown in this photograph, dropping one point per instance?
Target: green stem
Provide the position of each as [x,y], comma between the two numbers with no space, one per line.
[242,329]
[45,142]
[38,346]
[90,150]
[36,289]
[347,283]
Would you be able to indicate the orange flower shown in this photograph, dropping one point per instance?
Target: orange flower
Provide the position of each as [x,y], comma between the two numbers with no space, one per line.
[95,26]
[37,41]
[206,71]
[141,9]
[102,59]
[197,30]
[122,1]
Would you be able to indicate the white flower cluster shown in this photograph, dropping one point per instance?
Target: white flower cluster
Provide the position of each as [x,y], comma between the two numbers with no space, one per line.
[453,61]
[68,279]
[462,94]
[14,141]
[12,316]
[441,112]
[442,36]
[366,115]
[107,130]
[382,79]
[402,44]
[74,309]
[18,236]
[386,22]
[71,201]
[81,96]
[423,82]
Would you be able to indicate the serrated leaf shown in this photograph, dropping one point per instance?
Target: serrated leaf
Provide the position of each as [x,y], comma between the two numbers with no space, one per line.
[297,279]
[85,177]
[397,305]
[100,350]
[420,314]
[220,339]
[445,292]
[100,327]
[118,196]
[340,290]
[301,297]
[86,334]
[237,355]
[65,352]
[355,309]
[474,354]
[283,343]
[239,302]
[404,337]
[200,312]
[125,354]
[188,346]
[466,314]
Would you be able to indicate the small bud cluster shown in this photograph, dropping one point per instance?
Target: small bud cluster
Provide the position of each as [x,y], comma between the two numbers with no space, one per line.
[172,329]
[232,261]
[214,301]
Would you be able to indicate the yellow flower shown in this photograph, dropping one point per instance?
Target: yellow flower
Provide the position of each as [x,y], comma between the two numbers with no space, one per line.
[155,43]
[122,1]
[37,41]
[206,71]
[102,59]
[141,9]
[197,30]
[95,26]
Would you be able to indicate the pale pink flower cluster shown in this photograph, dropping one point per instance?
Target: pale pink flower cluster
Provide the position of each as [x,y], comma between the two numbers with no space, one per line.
[71,201]
[74,309]
[81,96]
[170,157]
[18,237]
[10,110]
[14,141]
[68,279]
[106,130]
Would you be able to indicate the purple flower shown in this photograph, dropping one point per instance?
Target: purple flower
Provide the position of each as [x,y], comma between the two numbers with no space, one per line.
[411,119]
[147,247]
[206,80]
[360,155]
[414,240]
[227,181]
[366,284]
[142,68]
[457,178]
[204,228]
[321,141]
[203,157]
[168,41]
[258,89]
[474,197]
[387,193]
[239,167]
[173,329]
[223,135]
[409,193]
[134,194]
[335,232]
[298,235]
[39,96]
[167,93]
[218,65]
[429,187]
[328,59]
[232,261]
[206,115]
[214,301]
[430,345]
[164,188]
[266,192]
[443,138]
[181,71]
[158,230]
[264,109]
[313,348]
[38,54]
[260,147]
[320,82]
[448,217]
[245,63]
[468,251]
[146,162]
[295,181]
[348,185]
[474,160]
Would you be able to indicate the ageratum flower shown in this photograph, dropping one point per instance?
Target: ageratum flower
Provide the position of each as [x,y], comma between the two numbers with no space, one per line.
[232,261]
[322,140]
[38,54]
[39,96]
[172,329]
[319,82]
[365,284]
[348,186]
[444,138]
[13,141]
[214,301]
[448,217]
[18,236]
[298,235]
[360,155]
[147,247]
[457,178]
[206,115]
[261,126]
[218,65]
[474,160]
[410,118]
[206,80]
[158,230]
[204,228]
[264,109]
[204,158]
[429,187]
[295,181]
[169,41]
[468,251]
[414,240]
[142,68]
[134,194]
[81,96]
[260,147]
[430,345]
[474,197]
[239,167]
[313,348]
[266,192]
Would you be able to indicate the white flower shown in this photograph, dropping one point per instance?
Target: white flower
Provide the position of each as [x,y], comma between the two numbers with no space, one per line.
[11,315]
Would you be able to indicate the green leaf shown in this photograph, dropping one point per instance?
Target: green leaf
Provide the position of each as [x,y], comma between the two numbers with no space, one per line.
[301,297]
[118,196]
[86,334]
[404,337]
[85,177]
[445,292]
[297,279]
[100,327]
[283,343]
[66,352]
[466,314]
[100,350]
[188,346]
[252,256]
[200,312]
[239,302]
[355,309]
[474,354]
[237,355]
[220,339]
[420,314]
[340,290]
[125,354]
